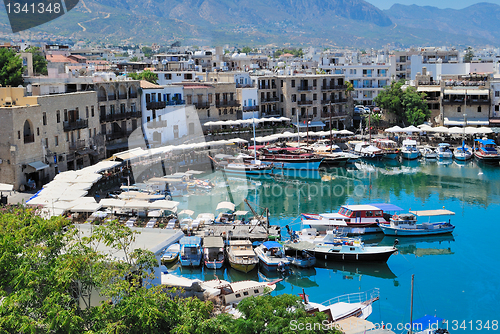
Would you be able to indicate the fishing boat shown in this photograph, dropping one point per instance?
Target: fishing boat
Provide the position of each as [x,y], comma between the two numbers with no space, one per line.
[443,151]
[352,219]
[485,151]
[409,150]
[301,161]
[191,254]
[352,251]
[213,252]
[241,255]
[272,256]
[298,255]
[368,151]
[462,153]
[171,255]
[428,152]
[357,305]
[226,293]
[389,147]
[406,224]
[332,155]
[253,168]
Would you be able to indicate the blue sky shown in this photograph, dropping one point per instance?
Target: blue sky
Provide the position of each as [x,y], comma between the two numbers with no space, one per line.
[455,4]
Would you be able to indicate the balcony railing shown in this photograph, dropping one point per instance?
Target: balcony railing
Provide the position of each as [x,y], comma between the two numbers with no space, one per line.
[122,96]
[333,114]
[111,97]
[273,113]
[304,102]
[267,87]
[120,116]
[77,145]
[251,108]
[478,101]
[101,98]
[117,135]
[29,139]
[227,103]
[331,87]
[305,88]
[201,105]
[271,99]
[176,102]
[452,101]
[156,124]
[133,96]
[156,105]
[78,124]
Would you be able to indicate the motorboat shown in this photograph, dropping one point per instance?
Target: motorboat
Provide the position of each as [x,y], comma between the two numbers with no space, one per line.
[485,151]
[389,147]
[368,151]
[226,293]
[332,155]
[191,253]
[352,251]
[252,168]
[352,219]
[409,151]
[428,152]
[171,255]
[357,305]
[443,151]
[406,224]
[272,256]
[241,255]
[462,153]
[298,255]
[213,252]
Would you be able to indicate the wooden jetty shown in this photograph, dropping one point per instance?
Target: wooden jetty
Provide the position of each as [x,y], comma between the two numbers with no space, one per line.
[252,232]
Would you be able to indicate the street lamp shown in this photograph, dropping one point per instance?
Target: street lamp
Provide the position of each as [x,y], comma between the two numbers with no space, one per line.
[465,124]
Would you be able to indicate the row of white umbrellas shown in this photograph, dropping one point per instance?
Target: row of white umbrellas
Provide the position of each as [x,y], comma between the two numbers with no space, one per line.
[440,129]
[288,134]
[248,121]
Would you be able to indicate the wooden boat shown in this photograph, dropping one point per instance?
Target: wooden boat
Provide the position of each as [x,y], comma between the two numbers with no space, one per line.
[241,255]
[285,158]
[254,168]
[272,256]
[191,251]
[357,305]
[406,224]
[213,252]
[409,150]
[171,255]
[389,147]
[485,151]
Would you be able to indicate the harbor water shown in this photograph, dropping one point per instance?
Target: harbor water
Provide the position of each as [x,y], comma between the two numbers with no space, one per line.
[456,275]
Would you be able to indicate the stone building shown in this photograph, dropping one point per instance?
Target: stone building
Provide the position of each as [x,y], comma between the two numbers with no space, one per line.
[41,136]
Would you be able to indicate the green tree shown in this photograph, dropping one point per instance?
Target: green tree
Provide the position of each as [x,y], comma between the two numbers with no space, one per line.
[148,52]
[469,54]
[390,100]
[134,58]
[246,49]
[11,68]
[39,62]
[144,75]
[416,108]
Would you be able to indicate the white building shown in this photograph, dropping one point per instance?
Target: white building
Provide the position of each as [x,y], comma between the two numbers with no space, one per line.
[438,68]
[172,77]
[249,98]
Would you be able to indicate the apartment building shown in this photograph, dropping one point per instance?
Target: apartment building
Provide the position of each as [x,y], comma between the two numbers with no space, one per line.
[41,136]
[202,96]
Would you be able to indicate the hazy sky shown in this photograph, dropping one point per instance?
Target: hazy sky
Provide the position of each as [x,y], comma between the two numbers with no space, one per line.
[455,4]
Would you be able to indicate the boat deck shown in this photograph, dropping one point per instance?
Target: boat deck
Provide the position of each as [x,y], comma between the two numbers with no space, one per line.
[254,233]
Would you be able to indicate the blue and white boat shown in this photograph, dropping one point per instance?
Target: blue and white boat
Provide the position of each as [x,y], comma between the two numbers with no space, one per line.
[409,150]
[406,224]
[191,253]
[213,252]
[444,151]
[272,256]
[462,153]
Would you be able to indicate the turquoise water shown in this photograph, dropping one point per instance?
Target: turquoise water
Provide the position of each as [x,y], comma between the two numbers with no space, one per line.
[456,276]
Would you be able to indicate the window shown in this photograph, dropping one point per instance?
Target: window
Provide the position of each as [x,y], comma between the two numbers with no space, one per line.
[293,111]
[208,112]
[294,98]
[245,293]
[56,140]
[37,131]
[65,115]
[479,109]
[237,295]
[315,97]
[315,111]
[87,111]
[92,111]
[58,116]
[46,142]
[112,109]
[90,133]
[94,132]
[293,83]
[67,135]
[122,108]
[18,134]
[256,291]
[459,109]
[44,118]
[148,98]
[78,134]
[315,83]
[497,93]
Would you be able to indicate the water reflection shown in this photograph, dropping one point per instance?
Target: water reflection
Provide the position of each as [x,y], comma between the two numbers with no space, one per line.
[350,270]
[422,246]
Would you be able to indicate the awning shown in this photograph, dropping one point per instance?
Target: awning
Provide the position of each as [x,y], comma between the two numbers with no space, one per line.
[6,187]
[387,207]
[458,121]
[454,92]
[225,205]
[428,213]
[312,124]
[38,165]
[429,89]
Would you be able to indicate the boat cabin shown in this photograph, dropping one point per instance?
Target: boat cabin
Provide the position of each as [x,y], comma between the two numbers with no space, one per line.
[360,211]
[487,146]
[404,220]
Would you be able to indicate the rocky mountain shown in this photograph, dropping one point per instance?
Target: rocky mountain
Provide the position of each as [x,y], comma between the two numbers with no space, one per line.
[322,23]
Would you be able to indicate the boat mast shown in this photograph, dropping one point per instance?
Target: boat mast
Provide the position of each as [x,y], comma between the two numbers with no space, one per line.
[298,130]
[411,304]
[331,141]
[254,147]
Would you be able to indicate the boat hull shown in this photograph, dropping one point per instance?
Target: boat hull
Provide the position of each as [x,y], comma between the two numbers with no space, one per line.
[400,232]
[490,158]
[410,155]
[380,256]
[391,156]
[307,165]
[214,264]
[243,267]
[462,157]
[169,259]
[190,262]
[302,263]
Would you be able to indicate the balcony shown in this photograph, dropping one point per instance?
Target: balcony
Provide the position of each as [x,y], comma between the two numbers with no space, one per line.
[133,96]
[306,118]
[202,105]
[77,145]
[227,103]
[251,108]
[156,124]
[452,101]
[305,88]
[111,97]
[76,125]
[117,135]
[101,98]
[267,87]
[176,103]
[304,102]
[29,139]
[156,105]
[120,116]
[122,96]
[270,99]
[238,85]
[478,101]
[333,114]
[274,113]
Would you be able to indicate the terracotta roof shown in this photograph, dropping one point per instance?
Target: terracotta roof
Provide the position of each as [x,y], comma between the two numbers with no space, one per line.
[146,84]
[287,55]
[60,59]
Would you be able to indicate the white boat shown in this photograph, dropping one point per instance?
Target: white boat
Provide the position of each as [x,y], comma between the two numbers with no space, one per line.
[352,251]
[462,153]
[368,151]
[228,293]
[389,147]
[357,305]
[213,252]
[429,152]
[406,224]
[444,151]
[171,254]
[241,255]
[298,256]
[272,256]
[409,150]
[253,168]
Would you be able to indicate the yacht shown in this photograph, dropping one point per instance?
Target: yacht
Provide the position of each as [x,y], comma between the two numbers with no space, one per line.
[485,151]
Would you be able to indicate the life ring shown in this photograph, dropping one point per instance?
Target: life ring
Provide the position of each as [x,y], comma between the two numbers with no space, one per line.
[395,217]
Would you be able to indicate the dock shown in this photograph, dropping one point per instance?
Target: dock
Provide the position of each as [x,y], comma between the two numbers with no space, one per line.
[252,232]
[354,325]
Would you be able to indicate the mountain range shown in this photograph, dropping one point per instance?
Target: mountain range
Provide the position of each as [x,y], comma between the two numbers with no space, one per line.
[321,23]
